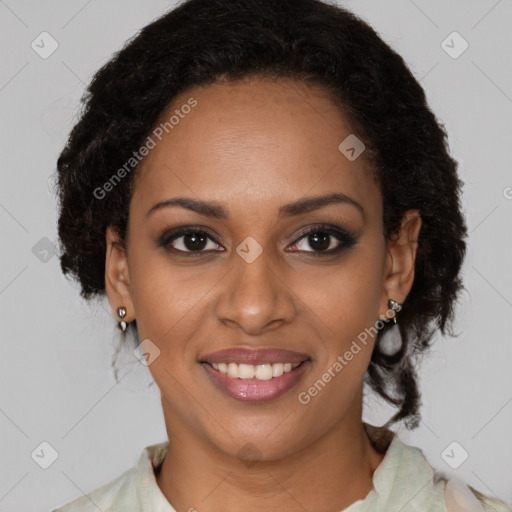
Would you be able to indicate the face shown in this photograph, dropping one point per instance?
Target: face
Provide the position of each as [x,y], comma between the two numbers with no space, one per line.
[268,265]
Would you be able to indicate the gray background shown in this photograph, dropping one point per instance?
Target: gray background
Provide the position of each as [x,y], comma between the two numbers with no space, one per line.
[56,381]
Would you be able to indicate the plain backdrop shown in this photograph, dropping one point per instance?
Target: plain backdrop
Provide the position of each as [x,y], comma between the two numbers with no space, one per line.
[57,385]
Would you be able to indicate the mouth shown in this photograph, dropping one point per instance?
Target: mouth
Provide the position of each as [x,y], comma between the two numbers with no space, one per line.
[251,356]
[263,371]
[255,383]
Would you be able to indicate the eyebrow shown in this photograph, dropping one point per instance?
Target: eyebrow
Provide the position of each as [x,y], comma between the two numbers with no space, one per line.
[299,207]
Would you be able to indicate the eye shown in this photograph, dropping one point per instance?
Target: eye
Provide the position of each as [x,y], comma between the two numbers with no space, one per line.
[324,240]
[189,240]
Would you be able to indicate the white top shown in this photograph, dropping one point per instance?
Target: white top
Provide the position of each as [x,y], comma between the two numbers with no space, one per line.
[404,481]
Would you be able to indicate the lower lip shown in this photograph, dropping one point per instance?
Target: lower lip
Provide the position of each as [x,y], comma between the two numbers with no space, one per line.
[254,390]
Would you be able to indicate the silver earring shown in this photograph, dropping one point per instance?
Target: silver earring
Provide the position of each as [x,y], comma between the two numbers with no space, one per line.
[391,340]
[121,311]
[395,307]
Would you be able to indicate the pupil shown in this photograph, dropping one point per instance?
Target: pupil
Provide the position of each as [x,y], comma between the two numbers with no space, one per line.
[197,241]
[319,241]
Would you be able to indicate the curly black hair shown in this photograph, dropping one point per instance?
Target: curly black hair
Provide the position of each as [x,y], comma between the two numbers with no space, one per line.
[200,42]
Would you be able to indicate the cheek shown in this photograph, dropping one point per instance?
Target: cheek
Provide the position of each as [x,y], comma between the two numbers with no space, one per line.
[343,305]
[345,297]
[171,307]
[162,293]
[156,298]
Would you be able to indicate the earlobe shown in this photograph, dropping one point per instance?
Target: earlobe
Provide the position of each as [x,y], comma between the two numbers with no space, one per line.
[117,279]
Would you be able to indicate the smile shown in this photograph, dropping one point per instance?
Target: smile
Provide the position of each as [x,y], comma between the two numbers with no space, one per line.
[255,383]
[265,371]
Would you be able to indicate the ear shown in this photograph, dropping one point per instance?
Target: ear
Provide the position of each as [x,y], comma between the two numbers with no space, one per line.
[117,278]
[400,260]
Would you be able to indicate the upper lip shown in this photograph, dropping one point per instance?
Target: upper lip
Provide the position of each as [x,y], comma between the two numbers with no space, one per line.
[254,356]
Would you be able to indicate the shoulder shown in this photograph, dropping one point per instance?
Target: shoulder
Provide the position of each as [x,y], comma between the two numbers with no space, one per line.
[405,480]
[107,497]
[461,497]
[129,490]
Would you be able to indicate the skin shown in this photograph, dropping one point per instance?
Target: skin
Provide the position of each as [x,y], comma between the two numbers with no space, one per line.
[254,146]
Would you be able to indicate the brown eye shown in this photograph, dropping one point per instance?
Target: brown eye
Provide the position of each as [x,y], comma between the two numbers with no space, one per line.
[189,240]
[319,241]
[324,241]
[194,241]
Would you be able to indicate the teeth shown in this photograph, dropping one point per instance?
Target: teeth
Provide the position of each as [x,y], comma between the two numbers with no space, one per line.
[250,371]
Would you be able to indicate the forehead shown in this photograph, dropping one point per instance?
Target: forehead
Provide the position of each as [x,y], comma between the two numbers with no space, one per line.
[254,144]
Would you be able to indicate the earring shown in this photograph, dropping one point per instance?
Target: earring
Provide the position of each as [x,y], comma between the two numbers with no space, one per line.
[391,340]
[395,307]
[121,311]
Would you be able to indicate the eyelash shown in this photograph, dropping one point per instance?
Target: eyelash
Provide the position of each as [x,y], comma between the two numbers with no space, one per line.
[345,238]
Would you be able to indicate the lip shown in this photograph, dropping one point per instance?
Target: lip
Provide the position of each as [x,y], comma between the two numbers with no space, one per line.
[254,390]
[244,355]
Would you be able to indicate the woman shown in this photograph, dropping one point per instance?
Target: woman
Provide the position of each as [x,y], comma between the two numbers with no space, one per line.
[264,195]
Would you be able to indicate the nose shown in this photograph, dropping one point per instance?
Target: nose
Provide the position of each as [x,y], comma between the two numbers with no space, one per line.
[255,296]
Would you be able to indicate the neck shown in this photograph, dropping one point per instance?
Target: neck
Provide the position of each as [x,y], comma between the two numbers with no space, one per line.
[329,474]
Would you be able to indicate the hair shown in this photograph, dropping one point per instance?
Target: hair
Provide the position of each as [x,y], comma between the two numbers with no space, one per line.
[201,42]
